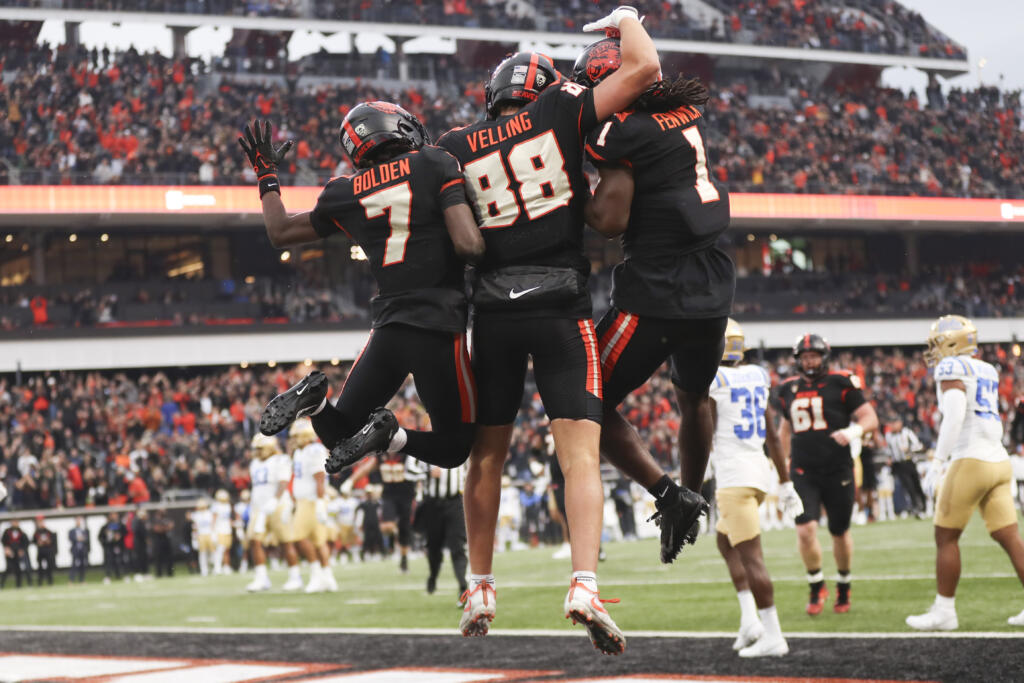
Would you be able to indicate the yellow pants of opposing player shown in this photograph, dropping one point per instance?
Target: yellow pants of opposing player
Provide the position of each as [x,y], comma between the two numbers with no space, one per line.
[971,484]
[304,524]
[738,516]
[275,530]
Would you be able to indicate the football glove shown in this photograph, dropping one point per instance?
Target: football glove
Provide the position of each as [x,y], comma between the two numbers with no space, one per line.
[933,477]
[262,156]
[321,511]
[259,524]
[789,501]
[612,20]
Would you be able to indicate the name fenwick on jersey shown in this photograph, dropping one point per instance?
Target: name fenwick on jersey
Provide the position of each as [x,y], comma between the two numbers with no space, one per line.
[378,175]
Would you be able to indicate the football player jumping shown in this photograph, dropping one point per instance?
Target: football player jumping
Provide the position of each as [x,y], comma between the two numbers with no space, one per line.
[744,425]
[406,207]
[971,469]
[524,170]
[824,412]
[672,294]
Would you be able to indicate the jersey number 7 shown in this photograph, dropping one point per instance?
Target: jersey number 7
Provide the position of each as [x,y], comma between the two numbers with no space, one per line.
[538,167]
[396,202]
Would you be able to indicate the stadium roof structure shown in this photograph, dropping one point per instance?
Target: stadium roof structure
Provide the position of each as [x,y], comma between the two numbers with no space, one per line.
[943,67]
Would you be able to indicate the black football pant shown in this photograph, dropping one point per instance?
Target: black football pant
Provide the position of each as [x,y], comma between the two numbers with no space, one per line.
[14,567]
[445,527]
[112,562]
[44,568]
[164,556]
[910,480]
[79,562]
[439,364]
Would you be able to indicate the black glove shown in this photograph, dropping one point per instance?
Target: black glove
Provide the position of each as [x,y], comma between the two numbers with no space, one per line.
[264,158]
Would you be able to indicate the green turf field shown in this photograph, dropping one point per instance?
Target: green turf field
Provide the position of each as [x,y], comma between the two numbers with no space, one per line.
[893,570]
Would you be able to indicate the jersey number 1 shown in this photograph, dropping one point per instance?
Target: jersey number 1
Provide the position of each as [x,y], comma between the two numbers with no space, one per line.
[396,201]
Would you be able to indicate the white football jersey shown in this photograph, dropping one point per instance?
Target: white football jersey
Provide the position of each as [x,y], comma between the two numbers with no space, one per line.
[221,518]
[265,476]
[737,451]
[203,521]
[981,437]
[344,510]
[306,462]
[509,505]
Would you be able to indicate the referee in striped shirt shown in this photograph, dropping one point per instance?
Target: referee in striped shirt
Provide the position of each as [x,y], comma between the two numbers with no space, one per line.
[441,518]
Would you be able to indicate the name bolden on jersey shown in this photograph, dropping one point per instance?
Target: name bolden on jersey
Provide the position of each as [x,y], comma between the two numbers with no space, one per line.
[486,137]
[378,175]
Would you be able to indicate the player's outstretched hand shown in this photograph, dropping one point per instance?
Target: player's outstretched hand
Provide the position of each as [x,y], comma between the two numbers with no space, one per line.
[612,20]
[260,150]
[789,501]
[933,477]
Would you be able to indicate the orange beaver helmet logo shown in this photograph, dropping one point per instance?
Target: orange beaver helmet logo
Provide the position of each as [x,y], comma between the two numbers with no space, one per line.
[386,107]
[605,59]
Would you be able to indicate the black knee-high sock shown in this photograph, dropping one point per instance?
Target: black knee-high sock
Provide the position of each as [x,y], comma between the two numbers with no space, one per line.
[445,448]
[332,426]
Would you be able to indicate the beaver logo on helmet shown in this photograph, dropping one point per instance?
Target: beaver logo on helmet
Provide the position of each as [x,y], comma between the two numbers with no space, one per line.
[597,62]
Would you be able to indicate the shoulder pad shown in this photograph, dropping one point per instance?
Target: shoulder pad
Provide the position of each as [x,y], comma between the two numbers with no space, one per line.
[790,380]
[953,367]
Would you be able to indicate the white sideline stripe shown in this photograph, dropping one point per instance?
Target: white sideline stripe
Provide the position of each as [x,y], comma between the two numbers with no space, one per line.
[640,581]
[30,667]
[500,632]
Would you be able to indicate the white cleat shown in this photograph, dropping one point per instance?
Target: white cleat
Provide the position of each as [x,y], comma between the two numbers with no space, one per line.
[935,619]
[564,552]
[258,585]
[316,584]
[477,615]
[748,635]
[1017,620]
[329,582]
[293,584]
[766,647]
[583,606]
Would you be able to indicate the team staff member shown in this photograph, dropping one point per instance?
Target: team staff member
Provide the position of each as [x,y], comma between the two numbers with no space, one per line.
[672,293]
[406,207]
[78,538]
[15,544]
[441,518]
[45,542]
[825,411]
[524,170]
[744,425]
[976,467]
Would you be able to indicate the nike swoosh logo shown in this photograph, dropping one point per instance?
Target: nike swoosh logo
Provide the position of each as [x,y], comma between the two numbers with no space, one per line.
[513,294]
[298,392]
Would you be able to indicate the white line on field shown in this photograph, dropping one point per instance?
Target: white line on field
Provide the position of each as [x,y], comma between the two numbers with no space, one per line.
[498,632]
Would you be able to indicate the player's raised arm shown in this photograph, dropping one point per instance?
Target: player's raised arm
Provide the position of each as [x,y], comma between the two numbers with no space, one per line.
[640,65]
[465,234]
[608,210]
[282,229]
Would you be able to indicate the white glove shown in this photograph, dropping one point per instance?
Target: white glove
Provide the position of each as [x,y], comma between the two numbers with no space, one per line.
[259,524]
[3,492]
[933,478]
[346,486]
[789,500]
[613,19]
[321,511]
[270,507]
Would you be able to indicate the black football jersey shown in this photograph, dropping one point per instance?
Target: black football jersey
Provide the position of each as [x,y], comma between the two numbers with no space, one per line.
[395,212]
[815,409]
[672,268]
[524,176]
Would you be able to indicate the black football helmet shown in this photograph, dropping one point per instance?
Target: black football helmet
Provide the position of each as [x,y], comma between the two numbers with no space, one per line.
[812,342]
[597,61]
[519,78]
[373,128]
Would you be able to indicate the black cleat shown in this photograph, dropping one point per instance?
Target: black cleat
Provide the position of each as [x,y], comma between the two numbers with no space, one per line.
[299,401]
[403,565]
[679,519]
[431,585]
[375,436]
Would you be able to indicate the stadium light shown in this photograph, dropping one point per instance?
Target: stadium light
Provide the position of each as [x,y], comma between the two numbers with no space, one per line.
[335,361]
[750,237]
[307,362]
[285,255]
[243,365]
[271,363]
[72,237]
[9,238]
[104,237]
[1016,350]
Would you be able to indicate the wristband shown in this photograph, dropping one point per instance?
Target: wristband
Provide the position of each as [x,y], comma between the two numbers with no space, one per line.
[853,432]
[269,183]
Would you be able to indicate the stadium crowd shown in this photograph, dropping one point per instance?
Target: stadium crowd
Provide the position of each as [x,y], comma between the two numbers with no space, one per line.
[130,118]
[879,26]
[74,439]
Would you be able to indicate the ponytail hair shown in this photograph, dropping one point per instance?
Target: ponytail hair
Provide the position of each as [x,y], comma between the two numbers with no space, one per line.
[668,95]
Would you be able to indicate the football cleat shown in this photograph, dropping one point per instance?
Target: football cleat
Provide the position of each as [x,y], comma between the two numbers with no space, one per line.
[1017,620]
[299,401]
[316,584]
[679,519]
[816,603]
[842,603]
[403,564]
[479,611]
[432,585]
[935,619]
[585,606]
[767,647]
[748,635]
[330,583]
[293,584]
[258,585]
[375,436]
